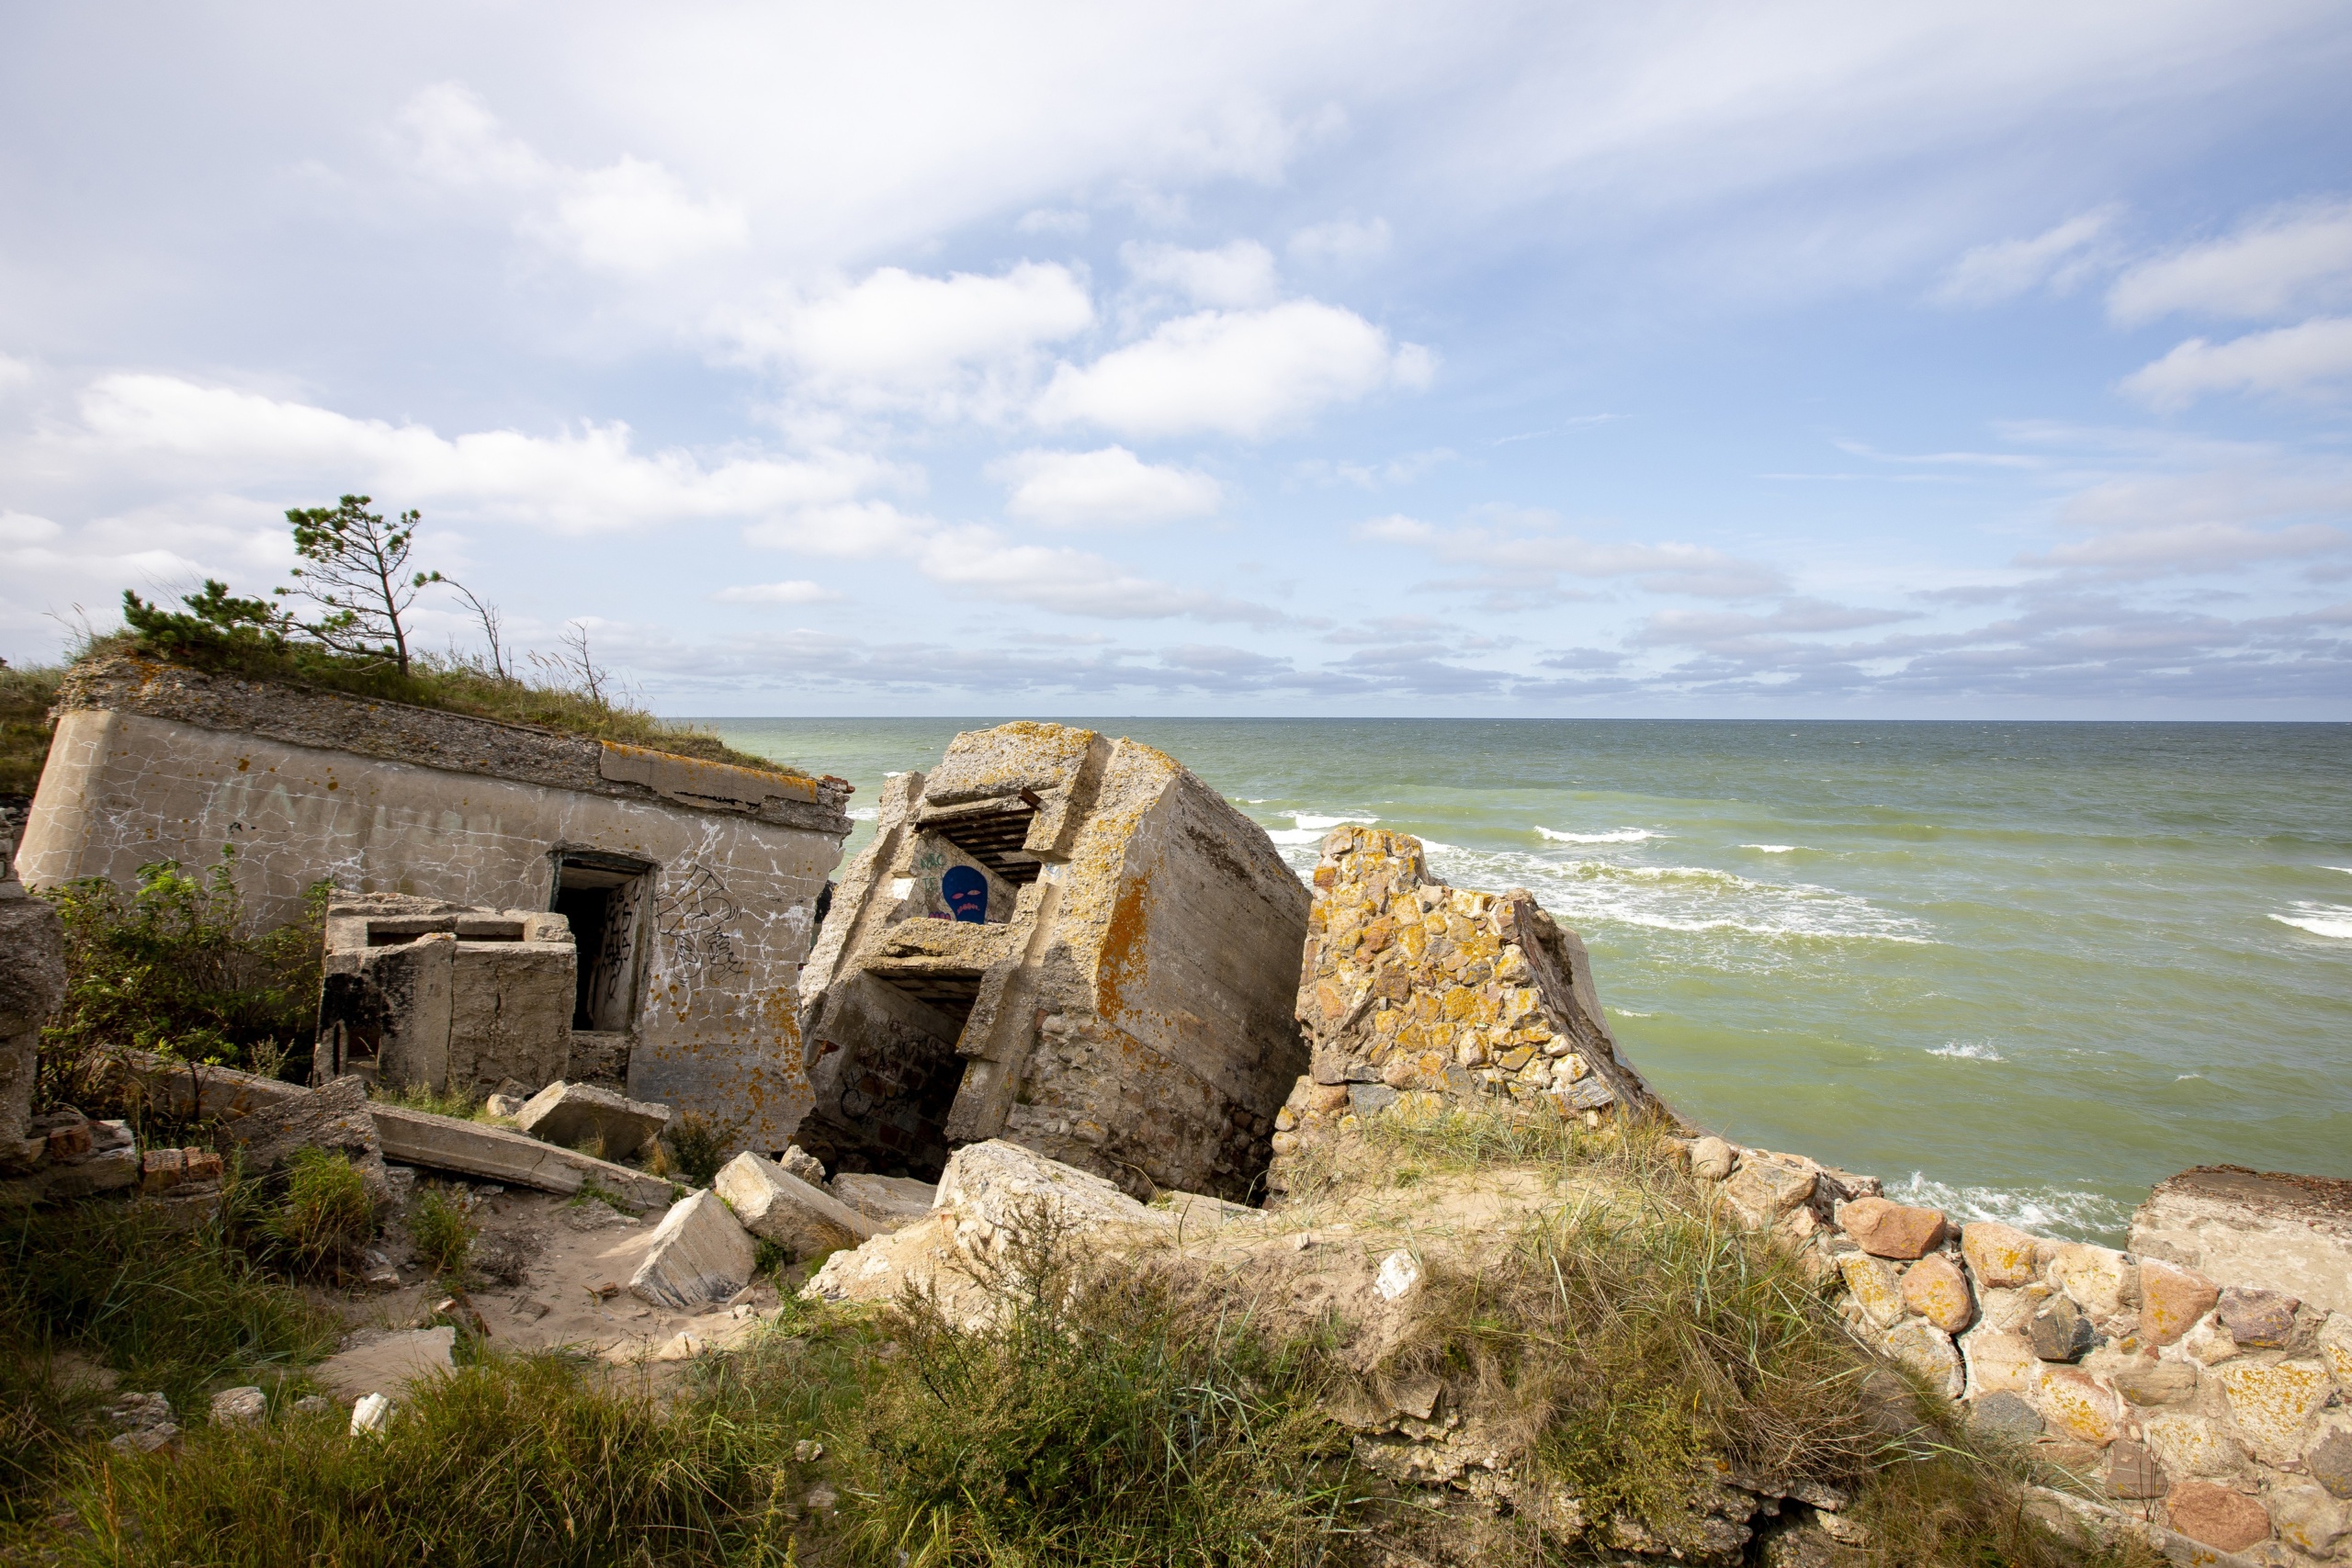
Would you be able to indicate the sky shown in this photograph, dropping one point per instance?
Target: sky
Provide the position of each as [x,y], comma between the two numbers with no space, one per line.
[1788,360]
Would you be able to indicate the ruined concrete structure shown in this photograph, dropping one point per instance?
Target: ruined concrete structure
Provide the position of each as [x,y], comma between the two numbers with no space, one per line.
[690,887]
[1064,941]
[419,993]
[1410,987]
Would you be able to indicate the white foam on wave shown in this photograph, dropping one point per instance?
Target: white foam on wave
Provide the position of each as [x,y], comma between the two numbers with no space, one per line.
[2346,870]
[1325,824]
[1622,835]
[1629,1012]
[1296,835]
[865,812]
[2082,1215]
[1690,898]
[1771,849]
[1968,1051]
[2320,919]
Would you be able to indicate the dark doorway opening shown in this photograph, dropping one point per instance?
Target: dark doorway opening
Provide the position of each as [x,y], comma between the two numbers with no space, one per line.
[605,899]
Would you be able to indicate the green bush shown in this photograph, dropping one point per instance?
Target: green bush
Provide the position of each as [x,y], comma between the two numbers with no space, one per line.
[176,966]
[326,1215]
[443,1233]
[692,1149]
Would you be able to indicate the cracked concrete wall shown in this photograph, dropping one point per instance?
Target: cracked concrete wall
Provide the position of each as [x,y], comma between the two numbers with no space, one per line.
[1133,1018]
[734,889]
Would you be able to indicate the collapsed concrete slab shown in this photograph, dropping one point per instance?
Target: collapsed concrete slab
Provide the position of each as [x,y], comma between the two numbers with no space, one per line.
[1062,940]
[1410,987]
[576,1114]
[690,887]
[422,993]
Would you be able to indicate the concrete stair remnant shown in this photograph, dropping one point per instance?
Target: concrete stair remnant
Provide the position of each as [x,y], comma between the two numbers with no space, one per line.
[777,1206]
[700,1255]
[576,1114]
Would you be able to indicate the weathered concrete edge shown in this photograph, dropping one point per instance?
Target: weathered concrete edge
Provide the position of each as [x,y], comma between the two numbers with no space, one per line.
[444,1143]
[451,742]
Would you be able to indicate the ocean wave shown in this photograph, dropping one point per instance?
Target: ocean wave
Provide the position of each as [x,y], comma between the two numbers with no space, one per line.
[2046,1209]
[1622,835]
[1968,1051]
[2346,870]
[2320,919]
[1772,849]
[1297,835]
[865,812]
[1325,824]
[1683,898]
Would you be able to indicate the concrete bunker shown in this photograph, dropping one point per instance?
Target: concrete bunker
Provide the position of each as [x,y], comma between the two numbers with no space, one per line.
[682,892]
[1065,940]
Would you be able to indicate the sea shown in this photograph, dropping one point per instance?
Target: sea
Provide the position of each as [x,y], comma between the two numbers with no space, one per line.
[2021,971]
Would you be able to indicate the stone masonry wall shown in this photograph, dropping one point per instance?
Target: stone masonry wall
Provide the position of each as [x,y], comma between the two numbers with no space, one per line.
[1408,987]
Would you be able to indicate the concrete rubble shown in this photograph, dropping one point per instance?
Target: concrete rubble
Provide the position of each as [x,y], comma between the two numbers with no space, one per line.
[1064,941]
[576,1115]
[777,1206]
[700,1255]
[421,993]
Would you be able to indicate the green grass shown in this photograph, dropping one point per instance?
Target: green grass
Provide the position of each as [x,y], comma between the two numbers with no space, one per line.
[326,1215]
[443,1233]
[455,684]
[692,1149]
[1110,1417]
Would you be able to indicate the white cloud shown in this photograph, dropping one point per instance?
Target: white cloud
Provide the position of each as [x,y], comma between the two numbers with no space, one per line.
[632,216]
[1245,373]
[1053,221]
[1236,274]
[1528,553]
[1075,582]
[1342,242]
[896,336]
[585,481]
[1113,487]
[2059,257]
[23,528]
[2290,260]
[798,591]
[2289,359]
[2190,546]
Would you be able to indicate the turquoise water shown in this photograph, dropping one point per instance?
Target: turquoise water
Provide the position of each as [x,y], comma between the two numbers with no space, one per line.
[2020,970]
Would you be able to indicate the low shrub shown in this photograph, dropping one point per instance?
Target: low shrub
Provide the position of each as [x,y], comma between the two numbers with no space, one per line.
[26,697]
[443,1233]
[178,966]
[692,1149]
[326,1215]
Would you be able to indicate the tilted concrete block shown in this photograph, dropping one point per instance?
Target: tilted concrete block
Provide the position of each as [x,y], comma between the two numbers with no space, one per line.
[577,1113]
[777,1206]
[699,1256]
[889,1201]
